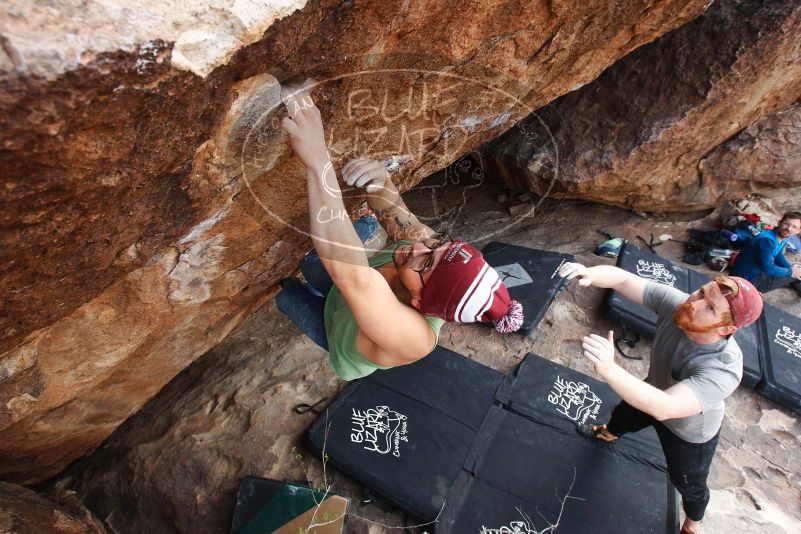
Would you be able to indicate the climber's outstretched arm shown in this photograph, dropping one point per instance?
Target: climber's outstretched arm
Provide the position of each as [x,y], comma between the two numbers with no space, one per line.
[391,333]
[332,233]
[385,200]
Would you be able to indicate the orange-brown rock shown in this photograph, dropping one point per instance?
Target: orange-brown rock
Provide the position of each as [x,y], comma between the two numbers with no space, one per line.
[635,136]
[149,203]
[22,511]
[764,158]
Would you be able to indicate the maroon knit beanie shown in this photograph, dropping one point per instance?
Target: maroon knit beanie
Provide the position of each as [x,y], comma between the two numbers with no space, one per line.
[463,288]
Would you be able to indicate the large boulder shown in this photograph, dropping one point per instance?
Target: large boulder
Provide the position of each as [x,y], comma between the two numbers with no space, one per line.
[764,158]
[23,511]
[635,136]
[149,202]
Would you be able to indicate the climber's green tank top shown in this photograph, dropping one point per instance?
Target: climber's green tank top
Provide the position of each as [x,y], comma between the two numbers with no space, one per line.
[341,328]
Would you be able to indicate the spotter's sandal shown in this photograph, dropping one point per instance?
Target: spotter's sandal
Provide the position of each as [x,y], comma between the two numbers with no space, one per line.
[595,432]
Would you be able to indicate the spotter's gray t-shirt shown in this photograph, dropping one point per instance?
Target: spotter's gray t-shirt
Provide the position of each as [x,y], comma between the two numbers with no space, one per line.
[712,371]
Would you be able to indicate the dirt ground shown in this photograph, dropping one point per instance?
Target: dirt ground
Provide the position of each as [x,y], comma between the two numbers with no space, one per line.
[230,414]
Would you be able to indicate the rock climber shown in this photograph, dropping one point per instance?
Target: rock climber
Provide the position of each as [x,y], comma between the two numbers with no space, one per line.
[387,310]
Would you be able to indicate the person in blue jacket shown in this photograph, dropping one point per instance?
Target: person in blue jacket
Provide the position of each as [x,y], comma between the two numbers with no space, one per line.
[762,261]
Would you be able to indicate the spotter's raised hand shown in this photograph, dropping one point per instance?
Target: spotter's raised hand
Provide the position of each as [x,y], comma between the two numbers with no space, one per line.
[599,350]
[575,270]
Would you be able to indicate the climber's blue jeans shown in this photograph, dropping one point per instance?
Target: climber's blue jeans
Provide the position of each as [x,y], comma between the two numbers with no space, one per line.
[304,304]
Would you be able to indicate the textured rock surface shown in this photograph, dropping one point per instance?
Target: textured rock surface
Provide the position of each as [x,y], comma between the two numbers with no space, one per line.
[635,136]
[22,511]
[177,464]
[148,202]
[47,39]
[764,158]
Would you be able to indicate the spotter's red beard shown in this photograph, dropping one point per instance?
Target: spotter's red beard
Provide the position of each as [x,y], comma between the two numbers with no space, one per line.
[683,320]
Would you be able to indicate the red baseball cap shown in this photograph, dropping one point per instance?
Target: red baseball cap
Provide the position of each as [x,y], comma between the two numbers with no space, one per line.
[746,305]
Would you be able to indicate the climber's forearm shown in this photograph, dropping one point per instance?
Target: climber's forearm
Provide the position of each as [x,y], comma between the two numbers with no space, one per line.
[333,236]
[394,216]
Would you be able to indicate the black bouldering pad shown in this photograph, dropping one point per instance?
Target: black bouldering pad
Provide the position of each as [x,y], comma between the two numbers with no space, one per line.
[782,350]
[269,506]
[748,340]
[528,458]
[442,437]
[549,393]
[530,276]
[533,475]
[697,280]
[405,432]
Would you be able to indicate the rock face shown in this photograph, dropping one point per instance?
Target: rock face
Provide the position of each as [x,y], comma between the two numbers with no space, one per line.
[635,136]
[22,511]
[764,158]
[149,202]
